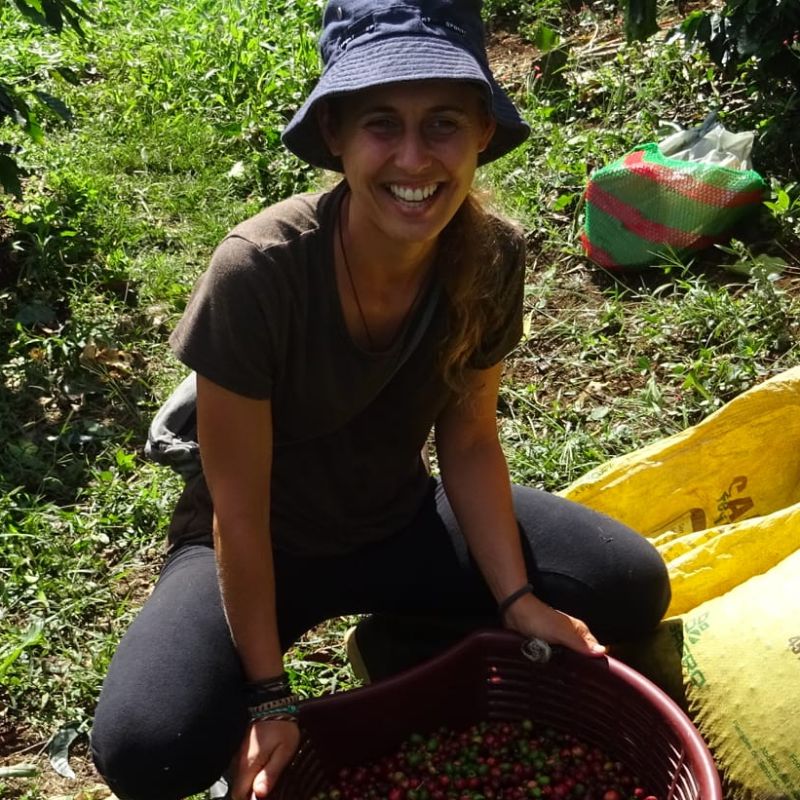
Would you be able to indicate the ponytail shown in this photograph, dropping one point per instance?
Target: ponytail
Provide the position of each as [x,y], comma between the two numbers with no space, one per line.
[471,266]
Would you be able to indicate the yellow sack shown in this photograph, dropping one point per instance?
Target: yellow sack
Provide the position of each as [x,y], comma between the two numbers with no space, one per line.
[720,500]
[734,665]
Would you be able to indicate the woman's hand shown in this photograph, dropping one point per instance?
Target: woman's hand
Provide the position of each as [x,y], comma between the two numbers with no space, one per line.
[266,750]
[531,617]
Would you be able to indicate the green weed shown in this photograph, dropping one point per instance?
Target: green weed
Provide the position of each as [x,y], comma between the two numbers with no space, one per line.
[597,379]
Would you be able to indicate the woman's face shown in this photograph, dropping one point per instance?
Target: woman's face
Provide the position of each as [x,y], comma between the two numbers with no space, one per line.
[409,152]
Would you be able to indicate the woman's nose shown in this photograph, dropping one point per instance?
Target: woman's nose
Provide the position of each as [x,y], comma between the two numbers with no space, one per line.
[412,154]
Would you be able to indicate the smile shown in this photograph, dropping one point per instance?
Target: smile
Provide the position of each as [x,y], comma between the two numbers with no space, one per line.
[415,195]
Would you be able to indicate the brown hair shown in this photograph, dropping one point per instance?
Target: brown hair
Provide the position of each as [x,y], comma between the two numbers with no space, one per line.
[471,270]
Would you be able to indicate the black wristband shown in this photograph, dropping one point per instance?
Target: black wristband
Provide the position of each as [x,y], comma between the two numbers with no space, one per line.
[512,598]
[257,692]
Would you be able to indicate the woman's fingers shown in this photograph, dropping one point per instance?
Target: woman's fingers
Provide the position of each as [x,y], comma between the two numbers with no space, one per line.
[559,628]
[246,768]
[583,640]
[531,617]
[261,784]
[268,747]
[278,741]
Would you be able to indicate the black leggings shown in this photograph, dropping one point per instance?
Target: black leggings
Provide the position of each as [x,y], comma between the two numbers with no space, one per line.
[171,714]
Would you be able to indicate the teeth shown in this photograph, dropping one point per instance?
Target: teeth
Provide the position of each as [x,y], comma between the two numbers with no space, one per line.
[412,195]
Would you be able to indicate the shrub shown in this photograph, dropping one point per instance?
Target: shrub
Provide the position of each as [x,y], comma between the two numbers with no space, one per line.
[765,33]
[15,99]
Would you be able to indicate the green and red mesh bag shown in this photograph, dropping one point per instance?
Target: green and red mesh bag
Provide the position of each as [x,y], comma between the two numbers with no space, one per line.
[645,205]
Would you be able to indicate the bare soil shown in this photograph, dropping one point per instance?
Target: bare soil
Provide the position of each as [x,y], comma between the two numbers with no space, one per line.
[86,785]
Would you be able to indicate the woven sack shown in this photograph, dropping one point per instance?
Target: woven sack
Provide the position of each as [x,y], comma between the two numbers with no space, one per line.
[720,500]
[646,205]
[733,663]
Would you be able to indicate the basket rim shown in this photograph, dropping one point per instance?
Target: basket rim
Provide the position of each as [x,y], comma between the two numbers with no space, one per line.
[675,717]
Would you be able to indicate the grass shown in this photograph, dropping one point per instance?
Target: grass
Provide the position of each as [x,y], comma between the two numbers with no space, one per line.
[175,139]
[636,365]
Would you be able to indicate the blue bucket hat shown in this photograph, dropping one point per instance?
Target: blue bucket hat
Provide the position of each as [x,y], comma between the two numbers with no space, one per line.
[367,43]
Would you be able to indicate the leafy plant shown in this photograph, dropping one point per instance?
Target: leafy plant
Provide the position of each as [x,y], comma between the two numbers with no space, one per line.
[17,95]
[765,33]
[511,14]
[785,206]
[53,13]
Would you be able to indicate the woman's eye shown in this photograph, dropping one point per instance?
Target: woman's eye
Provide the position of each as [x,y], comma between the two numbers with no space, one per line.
[442,126]
[381,125]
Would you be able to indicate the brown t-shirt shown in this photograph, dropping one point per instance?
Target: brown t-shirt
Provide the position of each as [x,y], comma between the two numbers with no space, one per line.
[265,321]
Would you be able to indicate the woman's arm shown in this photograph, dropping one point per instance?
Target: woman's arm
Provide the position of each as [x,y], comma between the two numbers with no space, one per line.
[235,436]
[475,477]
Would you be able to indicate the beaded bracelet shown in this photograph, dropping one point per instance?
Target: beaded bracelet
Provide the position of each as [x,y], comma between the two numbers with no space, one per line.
[278,718]
[279,706]
[283,709]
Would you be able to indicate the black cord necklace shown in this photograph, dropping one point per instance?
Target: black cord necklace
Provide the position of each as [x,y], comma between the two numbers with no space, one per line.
[409,311]
[350,276]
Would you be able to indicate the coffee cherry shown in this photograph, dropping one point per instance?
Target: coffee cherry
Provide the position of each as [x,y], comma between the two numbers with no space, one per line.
[489,761]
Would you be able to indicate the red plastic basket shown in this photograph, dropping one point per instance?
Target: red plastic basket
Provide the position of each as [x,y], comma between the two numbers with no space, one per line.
[487,677]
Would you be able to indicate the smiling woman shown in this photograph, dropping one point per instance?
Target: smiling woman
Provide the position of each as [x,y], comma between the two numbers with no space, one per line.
[330,335]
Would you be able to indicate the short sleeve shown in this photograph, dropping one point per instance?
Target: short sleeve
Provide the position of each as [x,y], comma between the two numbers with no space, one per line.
[230,330]
[505,335]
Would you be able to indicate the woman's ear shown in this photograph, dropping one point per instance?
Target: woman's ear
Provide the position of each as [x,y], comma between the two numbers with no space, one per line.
[489,127]
[328,126]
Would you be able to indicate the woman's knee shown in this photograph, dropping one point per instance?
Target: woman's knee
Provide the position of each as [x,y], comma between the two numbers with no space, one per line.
[147,756]
[171,712]
[648,591]
[131,762]
[642,582]
[592,565]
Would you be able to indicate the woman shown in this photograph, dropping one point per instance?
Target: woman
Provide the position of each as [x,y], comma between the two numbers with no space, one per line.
[330,334]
